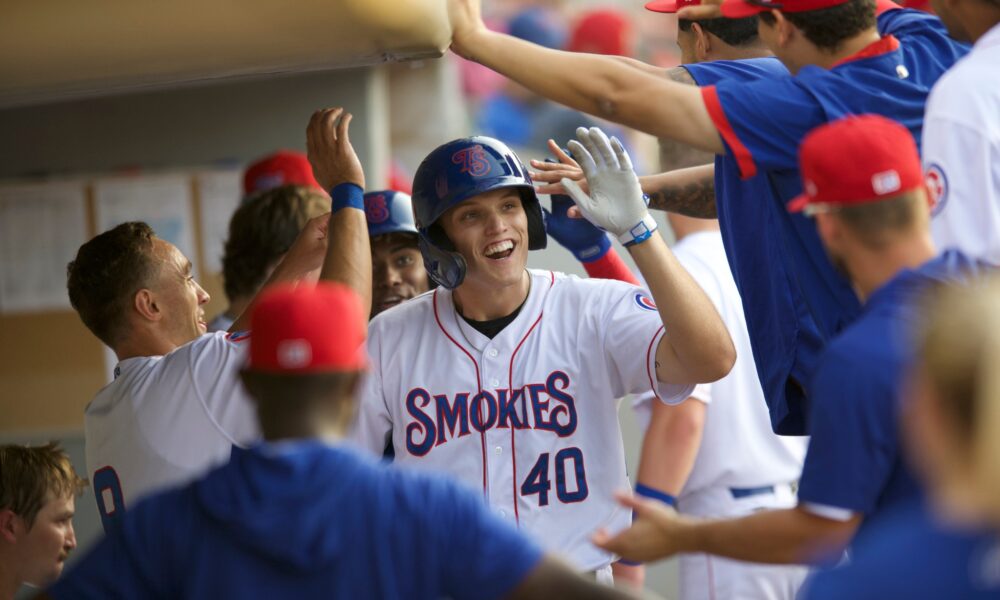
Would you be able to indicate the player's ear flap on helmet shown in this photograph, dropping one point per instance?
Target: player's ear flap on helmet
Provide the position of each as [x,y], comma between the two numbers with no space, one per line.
[445,268]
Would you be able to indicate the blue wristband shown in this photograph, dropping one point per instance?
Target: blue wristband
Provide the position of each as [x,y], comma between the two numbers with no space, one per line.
[347,195]
[647,492]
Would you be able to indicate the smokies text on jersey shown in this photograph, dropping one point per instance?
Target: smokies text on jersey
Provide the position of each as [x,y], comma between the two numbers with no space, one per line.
[437,418]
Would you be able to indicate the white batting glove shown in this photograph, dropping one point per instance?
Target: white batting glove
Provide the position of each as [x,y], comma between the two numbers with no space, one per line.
[616,202]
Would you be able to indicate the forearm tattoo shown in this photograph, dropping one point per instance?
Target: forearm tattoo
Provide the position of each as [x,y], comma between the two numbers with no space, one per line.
[695,199]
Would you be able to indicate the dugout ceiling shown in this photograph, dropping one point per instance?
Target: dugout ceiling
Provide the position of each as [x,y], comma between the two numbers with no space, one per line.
[59,49]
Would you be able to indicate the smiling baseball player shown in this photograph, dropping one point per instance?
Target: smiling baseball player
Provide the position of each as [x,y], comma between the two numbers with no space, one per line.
[503,377]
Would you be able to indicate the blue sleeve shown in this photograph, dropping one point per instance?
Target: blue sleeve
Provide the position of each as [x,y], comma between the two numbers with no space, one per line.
[763,122]
[485,557]
[750,69]
[853,442]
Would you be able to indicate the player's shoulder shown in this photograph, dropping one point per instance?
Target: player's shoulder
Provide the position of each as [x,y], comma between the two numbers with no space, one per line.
[750,69]
[966,91]
[566,290]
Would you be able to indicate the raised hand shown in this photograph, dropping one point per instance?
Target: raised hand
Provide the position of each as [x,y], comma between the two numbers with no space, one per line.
[550,174]
[615,202]
[466,22]
[329,148]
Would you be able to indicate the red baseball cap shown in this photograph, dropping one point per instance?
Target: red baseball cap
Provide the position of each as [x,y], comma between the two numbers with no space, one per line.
[857,160]
[285,167]
[738,9]
[670,6]
[308,329]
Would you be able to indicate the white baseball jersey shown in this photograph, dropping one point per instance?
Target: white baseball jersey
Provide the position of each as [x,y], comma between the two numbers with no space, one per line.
[528,417]
[164,420]
[961,152]
[738,450]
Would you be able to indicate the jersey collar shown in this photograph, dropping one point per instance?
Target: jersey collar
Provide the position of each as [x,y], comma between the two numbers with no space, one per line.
[883,46]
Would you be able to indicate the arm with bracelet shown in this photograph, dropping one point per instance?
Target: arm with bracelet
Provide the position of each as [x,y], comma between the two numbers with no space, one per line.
[590,245]
[333,246]
[696,347]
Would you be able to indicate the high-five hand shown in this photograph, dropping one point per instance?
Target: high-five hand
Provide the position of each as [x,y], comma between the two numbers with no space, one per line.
[330,152]
[615,202]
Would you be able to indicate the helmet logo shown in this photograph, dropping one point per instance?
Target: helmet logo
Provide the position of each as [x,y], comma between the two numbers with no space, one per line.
[376,210]
[472,160]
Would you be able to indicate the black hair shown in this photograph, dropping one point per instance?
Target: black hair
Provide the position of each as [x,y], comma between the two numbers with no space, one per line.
[829,28]
[735,32]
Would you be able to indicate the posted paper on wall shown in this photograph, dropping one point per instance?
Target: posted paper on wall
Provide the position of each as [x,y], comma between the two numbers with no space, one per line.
[220,193]
[162,201]
[41,227]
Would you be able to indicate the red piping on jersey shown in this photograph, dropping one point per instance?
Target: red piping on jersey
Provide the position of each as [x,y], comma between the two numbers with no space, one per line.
[510,390]
[884,45]
[482,435]
[652,382]
[744,160]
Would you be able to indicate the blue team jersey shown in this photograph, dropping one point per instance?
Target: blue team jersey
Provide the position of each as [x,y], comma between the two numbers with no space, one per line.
[305,520]
[854,460]
[762,123]
[910,556]
[783,336]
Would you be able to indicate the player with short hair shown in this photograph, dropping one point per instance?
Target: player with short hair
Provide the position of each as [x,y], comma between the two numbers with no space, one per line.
[505,377]
[38,488]
[175,407]
[865,189]
[302,515]
[949,548]
[961,137]
[261,231]
[861,63]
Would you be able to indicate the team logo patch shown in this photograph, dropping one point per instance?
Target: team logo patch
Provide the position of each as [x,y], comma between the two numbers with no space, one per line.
[645,302]
[294,354]
[472,161]
[238,336]
[937,188]
[376,210]
[886,182]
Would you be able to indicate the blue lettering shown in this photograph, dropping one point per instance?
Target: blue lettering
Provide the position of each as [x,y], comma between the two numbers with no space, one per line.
[476,408]
[451,415]
[508,410]
[554,387]
[539,407]
[423,425]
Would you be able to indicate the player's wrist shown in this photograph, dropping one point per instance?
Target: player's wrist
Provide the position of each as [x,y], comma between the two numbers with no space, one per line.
[640,232]
[647,491]
[347,195]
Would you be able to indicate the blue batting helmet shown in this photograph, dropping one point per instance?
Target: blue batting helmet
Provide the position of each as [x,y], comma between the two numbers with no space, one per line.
[453,173]
[389,211]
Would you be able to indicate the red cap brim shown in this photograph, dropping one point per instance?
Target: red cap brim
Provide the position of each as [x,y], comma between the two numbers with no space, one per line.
[662,6]
[798,203]
[738,9]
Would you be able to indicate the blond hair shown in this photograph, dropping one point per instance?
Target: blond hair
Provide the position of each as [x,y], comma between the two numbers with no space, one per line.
[959,348]
[30,476]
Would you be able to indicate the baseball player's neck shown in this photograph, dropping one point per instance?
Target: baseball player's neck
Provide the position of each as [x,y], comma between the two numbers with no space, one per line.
[484,301]
[805,53]
[10,583]
[145,342]
[872,269]
[329,422]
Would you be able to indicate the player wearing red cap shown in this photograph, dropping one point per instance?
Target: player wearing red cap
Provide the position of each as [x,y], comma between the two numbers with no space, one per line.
[300,515]
[175,407]
[864,187]
[845,62]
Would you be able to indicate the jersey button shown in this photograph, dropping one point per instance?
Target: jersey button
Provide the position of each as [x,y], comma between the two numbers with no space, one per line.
[492,352]
[494,382]
[503,513]
[498,450]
